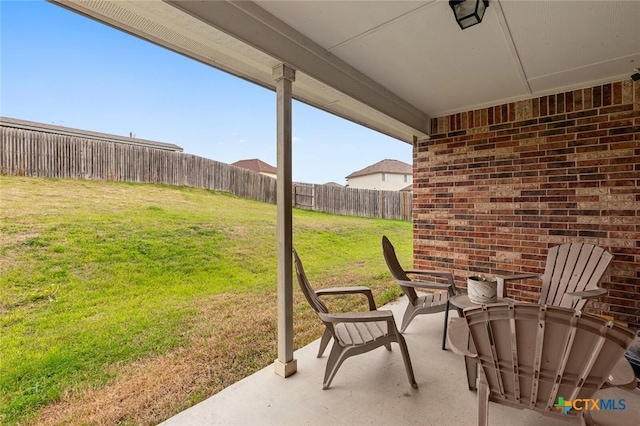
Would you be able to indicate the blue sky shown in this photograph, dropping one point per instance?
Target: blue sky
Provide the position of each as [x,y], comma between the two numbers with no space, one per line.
[60,68]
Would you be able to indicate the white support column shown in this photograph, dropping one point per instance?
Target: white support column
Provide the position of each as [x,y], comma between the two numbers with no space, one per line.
[285,365]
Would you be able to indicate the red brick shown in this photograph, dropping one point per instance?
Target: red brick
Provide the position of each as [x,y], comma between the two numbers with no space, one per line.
[616,108]
[543,106]
[597,96]
[552,104]
[588,98]
[568,101]
[607,96]
[536,108]
[617,93]
[560,103]
[577,100]
[591,120]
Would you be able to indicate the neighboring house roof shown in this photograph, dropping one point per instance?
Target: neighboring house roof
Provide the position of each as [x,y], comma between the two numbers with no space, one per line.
[384,166]
[333,184]
[256,165]
[408,188]
[69,131]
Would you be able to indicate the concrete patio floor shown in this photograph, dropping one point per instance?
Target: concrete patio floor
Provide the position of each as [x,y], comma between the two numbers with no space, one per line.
[373,389]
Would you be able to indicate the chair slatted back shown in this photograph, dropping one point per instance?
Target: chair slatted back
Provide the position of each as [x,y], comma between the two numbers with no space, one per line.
[572,267]
[308,292]
[396,270]
[532,354]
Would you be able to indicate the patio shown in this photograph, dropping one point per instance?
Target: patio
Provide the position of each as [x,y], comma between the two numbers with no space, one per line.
[373,389]
[518,147]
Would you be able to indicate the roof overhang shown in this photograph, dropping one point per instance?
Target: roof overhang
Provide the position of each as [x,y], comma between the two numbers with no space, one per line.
[390,65]
[243,39]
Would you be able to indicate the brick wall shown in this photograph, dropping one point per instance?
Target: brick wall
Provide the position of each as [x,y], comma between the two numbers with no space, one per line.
[495,188]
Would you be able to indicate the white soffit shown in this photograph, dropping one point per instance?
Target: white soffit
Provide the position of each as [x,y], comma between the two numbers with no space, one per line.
[575,41]
[390,64]
[434,74]
[413,48]
[520,50]
[331,23]
[164,24]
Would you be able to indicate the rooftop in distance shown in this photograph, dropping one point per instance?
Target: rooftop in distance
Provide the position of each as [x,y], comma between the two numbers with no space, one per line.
[384,166]
[256,165]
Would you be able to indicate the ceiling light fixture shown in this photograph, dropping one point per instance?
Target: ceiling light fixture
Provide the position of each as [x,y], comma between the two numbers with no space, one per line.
[636,75]
[468,12]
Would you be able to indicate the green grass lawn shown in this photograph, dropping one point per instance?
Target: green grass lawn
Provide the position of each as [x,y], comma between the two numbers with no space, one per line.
[97,276]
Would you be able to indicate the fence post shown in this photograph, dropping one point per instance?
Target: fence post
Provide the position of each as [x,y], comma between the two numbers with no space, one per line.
[295,195]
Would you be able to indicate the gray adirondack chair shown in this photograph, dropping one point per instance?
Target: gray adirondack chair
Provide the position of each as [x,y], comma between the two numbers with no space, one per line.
[353,333]
[571,276]
[531,355]
[424,304]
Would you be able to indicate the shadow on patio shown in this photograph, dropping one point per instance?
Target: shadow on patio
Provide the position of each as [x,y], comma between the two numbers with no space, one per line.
[373,389]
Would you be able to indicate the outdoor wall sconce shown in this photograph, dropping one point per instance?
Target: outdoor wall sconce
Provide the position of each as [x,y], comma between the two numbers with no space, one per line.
[468,12]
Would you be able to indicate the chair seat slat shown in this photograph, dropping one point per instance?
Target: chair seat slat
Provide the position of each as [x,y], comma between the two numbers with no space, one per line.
[538,355]
[514,353]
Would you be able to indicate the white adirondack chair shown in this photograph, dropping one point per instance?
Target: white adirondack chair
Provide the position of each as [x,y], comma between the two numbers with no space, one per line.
[536,356]
[353,333]
[426,303]
[571,276]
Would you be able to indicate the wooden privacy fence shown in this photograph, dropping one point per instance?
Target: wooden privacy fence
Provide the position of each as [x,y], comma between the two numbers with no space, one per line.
[353,202]
[32,153]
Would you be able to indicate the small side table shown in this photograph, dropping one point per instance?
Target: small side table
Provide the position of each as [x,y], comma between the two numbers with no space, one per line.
[460,302]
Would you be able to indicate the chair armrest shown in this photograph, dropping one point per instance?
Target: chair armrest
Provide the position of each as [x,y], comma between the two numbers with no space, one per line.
[622,376]
[517,277]
[349,290]
[432,273]
[458,336]
[357,316]
[588,294]
[419,284]
[501,279]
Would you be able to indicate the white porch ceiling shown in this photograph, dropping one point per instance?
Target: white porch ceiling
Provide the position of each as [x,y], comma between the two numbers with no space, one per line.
[392,65]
